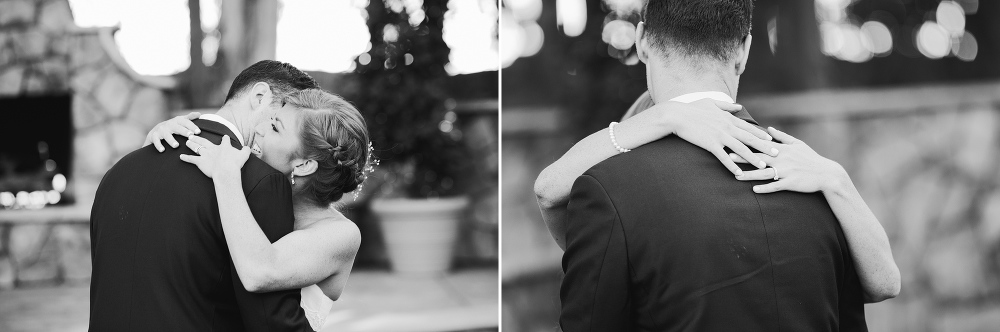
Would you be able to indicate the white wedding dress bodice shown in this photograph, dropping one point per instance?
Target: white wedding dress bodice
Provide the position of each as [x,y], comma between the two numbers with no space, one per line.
[316,306]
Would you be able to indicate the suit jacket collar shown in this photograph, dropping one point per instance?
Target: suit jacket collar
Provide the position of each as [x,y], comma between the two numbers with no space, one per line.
[645,101]
[743,114]
[218,129]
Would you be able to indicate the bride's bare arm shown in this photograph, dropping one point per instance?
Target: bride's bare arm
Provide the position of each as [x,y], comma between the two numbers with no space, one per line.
[803,170]
[704,123]
[300,258]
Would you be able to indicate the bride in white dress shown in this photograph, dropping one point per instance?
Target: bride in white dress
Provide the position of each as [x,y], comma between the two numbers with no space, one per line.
[320,142]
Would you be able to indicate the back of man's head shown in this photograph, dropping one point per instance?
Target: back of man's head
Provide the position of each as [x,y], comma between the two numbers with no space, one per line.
[283,78]
[710,29]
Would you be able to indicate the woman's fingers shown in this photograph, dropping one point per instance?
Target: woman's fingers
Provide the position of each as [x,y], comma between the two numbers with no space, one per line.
[746,126]
[186,127]
[743,151]
[193,115]
[738,159]
[782,136]
[729,107]
[728,163]
[200,140]
[757,175]
[770,187]
[169,138]
[189,159]
[158,145]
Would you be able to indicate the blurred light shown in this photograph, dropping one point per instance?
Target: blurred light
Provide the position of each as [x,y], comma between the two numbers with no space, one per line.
[856,46]
[966,47]
[344,34]
[619,33]
[772,33]
[52,197]
[210,49]
[469,30]
[390,33]
[524,10]
[512,38]
[624,6]
[50,165]
[446,126]
[572,16]
[832,10]
[7,199]
[364,59]
[22,198]
[534,38]
[37,199]
[879,36]
[451,116]
[417,17]
[59,182]
[951,17]
[969,6]
[933,40]
[407,59]
[833,41]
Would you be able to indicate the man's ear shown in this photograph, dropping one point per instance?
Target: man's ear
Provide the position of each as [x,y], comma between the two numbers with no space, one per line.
[260,94]
[303,167]
[641,43]
[743,54]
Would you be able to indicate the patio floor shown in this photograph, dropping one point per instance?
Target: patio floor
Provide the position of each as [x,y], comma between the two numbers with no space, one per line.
[375,300]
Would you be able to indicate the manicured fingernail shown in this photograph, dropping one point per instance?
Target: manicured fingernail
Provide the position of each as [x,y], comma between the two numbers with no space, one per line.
[739,173]
[763,164]
[770,128]
[189,133]
[738,105]
[756,189]
[769,138]
[774,152]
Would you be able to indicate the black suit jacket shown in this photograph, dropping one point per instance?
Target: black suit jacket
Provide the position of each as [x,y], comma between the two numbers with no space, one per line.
[160,257]
[664,238]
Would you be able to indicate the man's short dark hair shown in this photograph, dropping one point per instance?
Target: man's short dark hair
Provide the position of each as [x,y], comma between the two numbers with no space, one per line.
[282,77]
[711,28]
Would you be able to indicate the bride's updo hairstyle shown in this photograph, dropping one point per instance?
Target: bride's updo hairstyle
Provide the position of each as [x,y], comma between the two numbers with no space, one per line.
[335,135]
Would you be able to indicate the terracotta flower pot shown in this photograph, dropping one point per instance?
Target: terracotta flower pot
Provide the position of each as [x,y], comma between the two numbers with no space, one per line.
[420,234]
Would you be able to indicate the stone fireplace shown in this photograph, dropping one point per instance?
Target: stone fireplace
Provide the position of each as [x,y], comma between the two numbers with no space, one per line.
[45,56]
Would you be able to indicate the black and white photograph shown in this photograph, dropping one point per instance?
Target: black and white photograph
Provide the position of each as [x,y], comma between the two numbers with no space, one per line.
[249,165]
[740,165]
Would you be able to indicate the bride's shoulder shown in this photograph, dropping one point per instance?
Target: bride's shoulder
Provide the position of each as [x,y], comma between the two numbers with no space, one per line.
[336,222]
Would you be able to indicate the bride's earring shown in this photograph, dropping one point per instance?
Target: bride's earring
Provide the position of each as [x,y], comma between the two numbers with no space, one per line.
[293,179]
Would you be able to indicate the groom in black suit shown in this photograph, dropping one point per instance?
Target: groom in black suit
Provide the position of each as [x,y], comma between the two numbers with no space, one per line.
[663,238]
[160,257]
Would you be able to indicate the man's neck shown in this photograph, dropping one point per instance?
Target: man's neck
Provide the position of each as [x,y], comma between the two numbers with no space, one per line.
[239,119]
[668,82]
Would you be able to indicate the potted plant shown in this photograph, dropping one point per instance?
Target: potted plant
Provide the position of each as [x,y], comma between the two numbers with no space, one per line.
[412,123]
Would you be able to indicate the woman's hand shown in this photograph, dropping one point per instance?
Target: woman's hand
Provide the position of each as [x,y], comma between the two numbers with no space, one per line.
[164,131]
[709,124]
[216,160]
[798,168]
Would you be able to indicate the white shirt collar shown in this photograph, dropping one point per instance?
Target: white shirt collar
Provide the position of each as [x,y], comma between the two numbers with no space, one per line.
[696,96]
[223,121]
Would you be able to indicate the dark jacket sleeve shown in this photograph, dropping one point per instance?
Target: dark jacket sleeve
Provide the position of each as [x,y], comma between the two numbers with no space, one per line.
[595,289]
[271,204]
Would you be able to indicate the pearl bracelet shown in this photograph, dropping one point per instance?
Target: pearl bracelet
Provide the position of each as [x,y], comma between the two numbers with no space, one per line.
[611,132]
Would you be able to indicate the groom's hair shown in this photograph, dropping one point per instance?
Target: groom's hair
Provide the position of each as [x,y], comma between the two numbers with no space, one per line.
[283,78]
[712,28]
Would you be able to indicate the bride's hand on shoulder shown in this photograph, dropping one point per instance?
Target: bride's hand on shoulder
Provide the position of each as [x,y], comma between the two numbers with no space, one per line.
[708,124]
[798,167]
[216,159]
[165,131]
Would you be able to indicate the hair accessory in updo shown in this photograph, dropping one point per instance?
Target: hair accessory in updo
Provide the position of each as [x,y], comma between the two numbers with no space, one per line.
[336,154]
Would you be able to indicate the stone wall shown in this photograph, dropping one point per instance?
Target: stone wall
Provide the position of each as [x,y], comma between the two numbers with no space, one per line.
[926,159]
[42,52]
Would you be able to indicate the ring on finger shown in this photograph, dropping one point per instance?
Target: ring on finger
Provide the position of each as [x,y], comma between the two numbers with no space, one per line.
[198,149]
[775,173]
